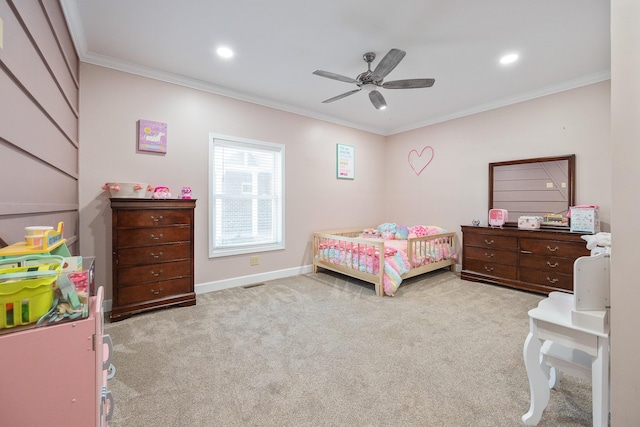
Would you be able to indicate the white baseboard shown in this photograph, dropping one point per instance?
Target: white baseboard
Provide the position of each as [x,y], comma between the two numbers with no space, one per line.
[235,282]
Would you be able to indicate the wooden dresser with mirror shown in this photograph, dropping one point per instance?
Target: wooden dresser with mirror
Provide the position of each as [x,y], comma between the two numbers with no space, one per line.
[538,260]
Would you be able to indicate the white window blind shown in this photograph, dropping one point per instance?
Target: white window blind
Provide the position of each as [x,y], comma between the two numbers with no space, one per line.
[247,196]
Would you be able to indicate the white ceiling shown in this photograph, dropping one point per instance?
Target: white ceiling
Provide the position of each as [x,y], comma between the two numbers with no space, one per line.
[279,43]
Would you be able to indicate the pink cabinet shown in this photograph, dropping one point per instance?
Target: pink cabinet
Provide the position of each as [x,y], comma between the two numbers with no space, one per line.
[57,375]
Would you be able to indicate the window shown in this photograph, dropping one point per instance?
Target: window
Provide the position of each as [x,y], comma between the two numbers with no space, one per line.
[246,181]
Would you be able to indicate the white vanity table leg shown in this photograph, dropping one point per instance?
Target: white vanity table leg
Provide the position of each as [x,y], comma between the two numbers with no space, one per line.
[600,384]
[538,382]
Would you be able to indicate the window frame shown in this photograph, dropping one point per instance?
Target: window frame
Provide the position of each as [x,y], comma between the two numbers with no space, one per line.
[252,247]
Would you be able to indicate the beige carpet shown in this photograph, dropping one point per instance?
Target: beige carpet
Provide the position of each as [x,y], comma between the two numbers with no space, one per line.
[321,350]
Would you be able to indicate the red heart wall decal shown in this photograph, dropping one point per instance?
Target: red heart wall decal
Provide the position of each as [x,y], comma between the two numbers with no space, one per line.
[418,162]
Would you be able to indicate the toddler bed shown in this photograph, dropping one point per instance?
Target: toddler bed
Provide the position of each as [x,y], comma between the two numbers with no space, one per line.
[356,253]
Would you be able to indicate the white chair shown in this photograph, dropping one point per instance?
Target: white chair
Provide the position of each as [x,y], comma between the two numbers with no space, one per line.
[571,333]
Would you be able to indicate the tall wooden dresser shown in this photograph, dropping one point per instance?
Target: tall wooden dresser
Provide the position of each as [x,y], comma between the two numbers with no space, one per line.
[533,260]
[152,254]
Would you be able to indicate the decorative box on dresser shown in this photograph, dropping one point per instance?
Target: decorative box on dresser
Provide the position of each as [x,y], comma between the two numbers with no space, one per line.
[152,254]
[534,260]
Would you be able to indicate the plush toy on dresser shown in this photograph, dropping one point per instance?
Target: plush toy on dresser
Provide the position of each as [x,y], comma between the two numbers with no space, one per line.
[161,193]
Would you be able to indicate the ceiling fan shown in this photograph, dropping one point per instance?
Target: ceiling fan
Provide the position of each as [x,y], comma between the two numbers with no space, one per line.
[372,80]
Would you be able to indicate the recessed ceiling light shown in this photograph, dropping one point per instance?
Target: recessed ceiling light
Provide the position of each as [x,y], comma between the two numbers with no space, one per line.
[224,52]
[508,59]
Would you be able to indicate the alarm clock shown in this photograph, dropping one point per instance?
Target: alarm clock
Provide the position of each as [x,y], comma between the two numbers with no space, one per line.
[498,217]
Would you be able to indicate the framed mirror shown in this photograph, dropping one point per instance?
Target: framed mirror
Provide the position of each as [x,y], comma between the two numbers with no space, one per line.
[543,186]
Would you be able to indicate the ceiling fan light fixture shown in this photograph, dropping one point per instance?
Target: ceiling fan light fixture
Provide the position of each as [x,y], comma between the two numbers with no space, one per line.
[369,87]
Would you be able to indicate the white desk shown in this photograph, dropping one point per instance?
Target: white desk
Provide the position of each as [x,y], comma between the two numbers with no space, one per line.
[551,320]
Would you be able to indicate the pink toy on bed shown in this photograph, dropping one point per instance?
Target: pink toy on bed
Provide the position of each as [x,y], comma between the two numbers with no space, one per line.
[417,231]
[425,230]
[371,232]
[402,232]
[387,230]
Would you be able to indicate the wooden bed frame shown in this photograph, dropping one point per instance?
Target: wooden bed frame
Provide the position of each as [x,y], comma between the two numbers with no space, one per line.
[352,236]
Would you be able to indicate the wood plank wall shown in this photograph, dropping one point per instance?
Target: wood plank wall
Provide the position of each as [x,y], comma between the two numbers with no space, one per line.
[39,112]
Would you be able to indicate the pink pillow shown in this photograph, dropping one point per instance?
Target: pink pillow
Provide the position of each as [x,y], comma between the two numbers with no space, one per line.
[418,230]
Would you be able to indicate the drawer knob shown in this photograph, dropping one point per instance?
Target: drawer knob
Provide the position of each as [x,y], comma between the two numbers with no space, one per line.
[154,274]
[488,268]
[153,255]
[554,265]
[154,237]
[489,242]
[550,280]
[488,255]
[153,291]
[154,219]
[552,249]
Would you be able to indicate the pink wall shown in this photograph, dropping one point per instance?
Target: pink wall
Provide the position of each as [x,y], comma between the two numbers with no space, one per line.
[111,104]
[453,189]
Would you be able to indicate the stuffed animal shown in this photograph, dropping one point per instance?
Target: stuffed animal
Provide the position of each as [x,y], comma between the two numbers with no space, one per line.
[371,232]
[387,230]
[599,239]
[402,232]
[161,193]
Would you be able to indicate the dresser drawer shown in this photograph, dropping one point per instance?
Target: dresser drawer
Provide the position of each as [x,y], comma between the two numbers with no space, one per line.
[153,254]
[153,291]
[491,255]
[153,217]
[491,241]
[131,276]
[492,269]
[547,278]
[547,263]
[153,236]
[553,247]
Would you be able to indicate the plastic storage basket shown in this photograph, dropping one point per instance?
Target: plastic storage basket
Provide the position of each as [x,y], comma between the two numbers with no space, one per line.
[26,288]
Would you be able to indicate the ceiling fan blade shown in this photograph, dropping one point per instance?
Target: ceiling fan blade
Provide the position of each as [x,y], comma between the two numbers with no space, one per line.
[334,76]
[335,98]
[388,63]
[377,100]
[408,84]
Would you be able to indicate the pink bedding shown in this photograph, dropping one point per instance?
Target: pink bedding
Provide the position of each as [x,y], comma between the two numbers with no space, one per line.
[366,258]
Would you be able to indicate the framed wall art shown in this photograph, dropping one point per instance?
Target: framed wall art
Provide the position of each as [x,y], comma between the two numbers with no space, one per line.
[345,161]
[152,136]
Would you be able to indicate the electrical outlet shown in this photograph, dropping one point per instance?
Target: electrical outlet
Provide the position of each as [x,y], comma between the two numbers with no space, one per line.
[254,260]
